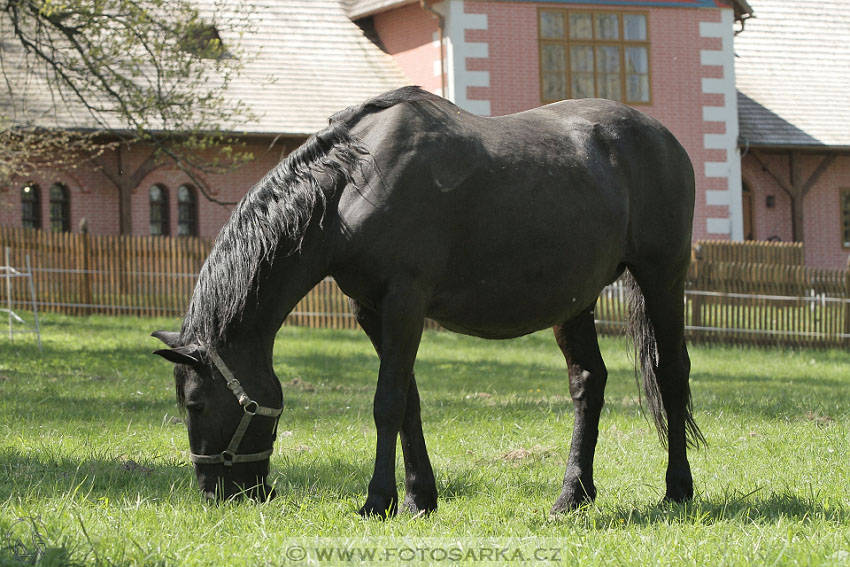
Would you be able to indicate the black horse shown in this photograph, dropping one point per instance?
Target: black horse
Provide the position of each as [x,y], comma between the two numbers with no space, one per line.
[494,227]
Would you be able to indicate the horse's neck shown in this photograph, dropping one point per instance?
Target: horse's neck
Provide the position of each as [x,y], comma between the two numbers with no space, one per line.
[281,286]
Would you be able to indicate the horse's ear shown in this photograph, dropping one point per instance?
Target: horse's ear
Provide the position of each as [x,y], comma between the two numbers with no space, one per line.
[170,338]
[181,355]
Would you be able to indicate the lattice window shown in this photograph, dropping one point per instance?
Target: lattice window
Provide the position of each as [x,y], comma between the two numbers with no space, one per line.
[31,206]
[158,197]
[60,208]
[187,211]
[586,54]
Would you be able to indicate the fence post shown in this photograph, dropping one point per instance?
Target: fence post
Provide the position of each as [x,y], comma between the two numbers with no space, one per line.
[696,299]
[85,266]
[32,298]
[9,289]
[847,306]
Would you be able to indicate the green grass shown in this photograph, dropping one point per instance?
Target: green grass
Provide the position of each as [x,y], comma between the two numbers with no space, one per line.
[93,460]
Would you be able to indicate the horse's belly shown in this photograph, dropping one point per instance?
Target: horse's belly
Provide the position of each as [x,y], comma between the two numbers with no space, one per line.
[510,308]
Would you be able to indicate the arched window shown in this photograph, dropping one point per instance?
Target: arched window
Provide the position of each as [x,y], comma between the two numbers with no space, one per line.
[60,208]
[187,211]
[159,210]
[31,206]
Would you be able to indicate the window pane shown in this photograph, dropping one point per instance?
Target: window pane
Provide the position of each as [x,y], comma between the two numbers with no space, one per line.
[607,26]
[186,212]
[30,206]
[59,209]
[634,27]
[581,72]
[637,87]
[57,193]
[637,60]
[608,73]
[608,86]
[608,59]
[581,59]
[554,86]
[581,26]
[553,58]
[184,194]
[158,211]
[582,85]
[552,25]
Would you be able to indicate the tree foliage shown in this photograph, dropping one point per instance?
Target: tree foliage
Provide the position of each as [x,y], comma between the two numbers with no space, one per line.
[79,75]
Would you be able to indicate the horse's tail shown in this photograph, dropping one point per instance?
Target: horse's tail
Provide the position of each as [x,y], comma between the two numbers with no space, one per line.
[642,334]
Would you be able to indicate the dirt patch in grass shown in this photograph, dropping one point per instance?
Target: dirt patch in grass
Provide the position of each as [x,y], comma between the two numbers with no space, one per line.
[302,385]
[521,454]
[818,418]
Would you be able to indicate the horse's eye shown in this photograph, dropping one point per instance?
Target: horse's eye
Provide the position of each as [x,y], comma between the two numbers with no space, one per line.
[195,407]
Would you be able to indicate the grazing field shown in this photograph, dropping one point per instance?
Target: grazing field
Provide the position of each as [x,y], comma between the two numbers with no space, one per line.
[93,458]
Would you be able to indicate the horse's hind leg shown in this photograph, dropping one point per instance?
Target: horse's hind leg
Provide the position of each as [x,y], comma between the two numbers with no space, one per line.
[420,487]
[588,375]
[666,368]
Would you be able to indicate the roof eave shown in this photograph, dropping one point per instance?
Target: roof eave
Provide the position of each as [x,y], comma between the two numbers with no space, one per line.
[356,13]
[816,148]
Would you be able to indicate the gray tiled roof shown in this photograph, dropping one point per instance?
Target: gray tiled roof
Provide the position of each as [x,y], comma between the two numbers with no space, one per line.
[361,8]
[307,60]
[320,61]
[793,73]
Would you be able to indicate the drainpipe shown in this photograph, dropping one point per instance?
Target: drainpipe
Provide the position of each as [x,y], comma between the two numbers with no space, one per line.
[441,24]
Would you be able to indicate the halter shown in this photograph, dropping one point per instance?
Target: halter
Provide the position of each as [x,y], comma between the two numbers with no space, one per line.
[251,408]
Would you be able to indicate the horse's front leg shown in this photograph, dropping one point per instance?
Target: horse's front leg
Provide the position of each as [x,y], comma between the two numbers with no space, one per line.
[402,319]
[419,485]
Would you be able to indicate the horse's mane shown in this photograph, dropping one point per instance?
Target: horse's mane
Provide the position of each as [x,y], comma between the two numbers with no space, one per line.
[272,218]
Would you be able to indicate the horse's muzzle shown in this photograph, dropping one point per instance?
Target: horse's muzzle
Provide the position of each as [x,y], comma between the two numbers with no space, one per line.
[233,493]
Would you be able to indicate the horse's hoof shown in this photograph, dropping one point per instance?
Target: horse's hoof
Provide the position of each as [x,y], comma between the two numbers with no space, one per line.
[680,485]
[569,503]
[679,495]
[382,508]
[576,493]
[419,506]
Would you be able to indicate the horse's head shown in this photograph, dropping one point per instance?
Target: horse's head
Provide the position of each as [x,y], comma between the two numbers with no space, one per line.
[231,415]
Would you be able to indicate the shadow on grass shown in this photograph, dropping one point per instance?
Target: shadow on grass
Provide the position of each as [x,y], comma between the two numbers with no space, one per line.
[341,478]
[93,478]
[758,508]
[65,408]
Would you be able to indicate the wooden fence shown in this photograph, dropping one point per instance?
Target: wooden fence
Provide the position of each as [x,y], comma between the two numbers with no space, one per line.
[754,293]
[750,252]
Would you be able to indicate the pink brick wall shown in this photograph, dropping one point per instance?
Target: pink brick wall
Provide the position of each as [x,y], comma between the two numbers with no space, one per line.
[409,34]
[90,196]
[822,224]
[94,197]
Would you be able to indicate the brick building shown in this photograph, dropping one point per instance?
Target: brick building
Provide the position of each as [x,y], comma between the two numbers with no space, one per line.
[673,59]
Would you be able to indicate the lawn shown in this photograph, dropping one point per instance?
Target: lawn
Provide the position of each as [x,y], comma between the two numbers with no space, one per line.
[93,458]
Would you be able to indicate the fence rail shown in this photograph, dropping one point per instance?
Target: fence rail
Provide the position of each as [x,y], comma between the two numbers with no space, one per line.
[782,253]
[729,297]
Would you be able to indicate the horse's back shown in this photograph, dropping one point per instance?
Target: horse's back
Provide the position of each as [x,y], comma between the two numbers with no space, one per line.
[636,158]
[515,222]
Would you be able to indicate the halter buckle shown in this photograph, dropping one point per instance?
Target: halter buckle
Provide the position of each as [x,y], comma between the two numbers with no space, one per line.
[227,458]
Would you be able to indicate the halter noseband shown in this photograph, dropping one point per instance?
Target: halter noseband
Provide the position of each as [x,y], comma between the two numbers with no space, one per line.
[251,408]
